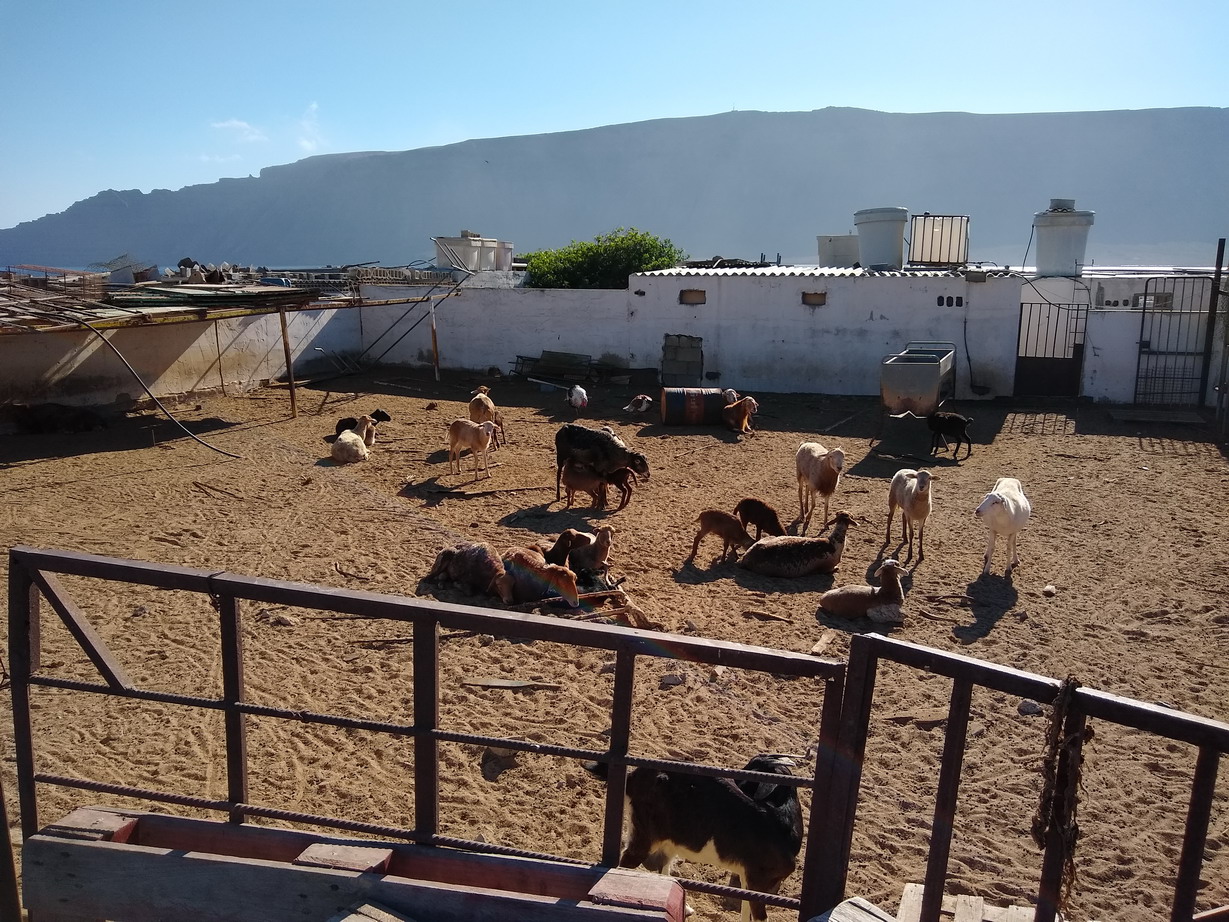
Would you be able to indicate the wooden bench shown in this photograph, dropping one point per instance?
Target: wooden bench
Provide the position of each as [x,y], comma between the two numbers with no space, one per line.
[571,366]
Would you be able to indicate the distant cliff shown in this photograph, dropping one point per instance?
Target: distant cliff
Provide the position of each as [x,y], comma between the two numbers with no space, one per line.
[735,184]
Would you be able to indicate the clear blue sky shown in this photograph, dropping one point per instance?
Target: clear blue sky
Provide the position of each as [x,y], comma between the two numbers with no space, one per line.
[136,94]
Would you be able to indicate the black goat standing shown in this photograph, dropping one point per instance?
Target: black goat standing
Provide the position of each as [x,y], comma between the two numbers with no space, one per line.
[598,449]
[751,828]
[944,424]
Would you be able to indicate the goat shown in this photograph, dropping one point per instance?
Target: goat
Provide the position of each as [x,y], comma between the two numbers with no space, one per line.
[532,579]
[583,478]
[942,425]
[794,556]
[577,398]
[622,480]
[640,404]
[349,422]
[729,395]
[602,451]
[476,567]
[879,603]
[591,551]
[1005,511]
[752,829]
[819,471]
[463,434]
[910,490]
[351,445]
[758,513]
[482,409]
[728,528]
[738,415]
[558,552]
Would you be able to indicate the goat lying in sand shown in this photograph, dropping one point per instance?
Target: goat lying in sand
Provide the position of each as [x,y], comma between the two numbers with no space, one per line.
[879,603]
[351,445]
[793,556]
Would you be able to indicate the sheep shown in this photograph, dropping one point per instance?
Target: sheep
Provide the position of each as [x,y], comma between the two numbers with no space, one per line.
[583,478]
[603,451]
[463,434]
[352,444]
[476,567]
[577,398]
[640,404]
[622,480]
[729,395]
[794,556]
[879,603]
[1005,511]
[819,471]
[738,415]
[724,525]
[349,422]
[591,551]
[482,409]
[942,425]
[752,829]
[532,579]
[758,513]
[910,490]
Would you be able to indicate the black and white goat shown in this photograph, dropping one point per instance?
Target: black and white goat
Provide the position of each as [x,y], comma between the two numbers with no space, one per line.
[599,449]
[751,828]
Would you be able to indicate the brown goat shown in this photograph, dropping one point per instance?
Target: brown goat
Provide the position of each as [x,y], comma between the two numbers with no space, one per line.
[758,513]
[737,415]
[533,579]
[580,477]
[728,528]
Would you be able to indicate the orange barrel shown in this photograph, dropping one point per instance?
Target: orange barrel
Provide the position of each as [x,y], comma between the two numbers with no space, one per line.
[691,406]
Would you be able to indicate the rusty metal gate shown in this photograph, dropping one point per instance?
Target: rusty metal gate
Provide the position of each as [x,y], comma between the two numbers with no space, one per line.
[1174,350]
[1050,349]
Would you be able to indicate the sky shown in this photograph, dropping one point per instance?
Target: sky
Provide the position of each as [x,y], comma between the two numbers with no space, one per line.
[137,94]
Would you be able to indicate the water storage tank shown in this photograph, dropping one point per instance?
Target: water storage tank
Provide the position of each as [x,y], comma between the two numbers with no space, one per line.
[1062,237]
[881,237]
[838,251]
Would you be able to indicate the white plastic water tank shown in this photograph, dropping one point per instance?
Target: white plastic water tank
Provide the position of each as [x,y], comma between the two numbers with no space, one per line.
[837,251]
[881,237]
[1062,238]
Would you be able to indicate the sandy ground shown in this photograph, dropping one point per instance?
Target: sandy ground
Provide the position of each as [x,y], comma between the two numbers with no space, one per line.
[1128,528]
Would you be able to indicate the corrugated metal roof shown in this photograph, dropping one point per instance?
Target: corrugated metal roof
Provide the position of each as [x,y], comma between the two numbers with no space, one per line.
[803,272]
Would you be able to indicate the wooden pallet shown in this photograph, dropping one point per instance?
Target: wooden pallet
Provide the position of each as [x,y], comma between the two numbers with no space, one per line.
[960,909]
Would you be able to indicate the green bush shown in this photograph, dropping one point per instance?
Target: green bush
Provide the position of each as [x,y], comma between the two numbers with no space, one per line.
[606,262]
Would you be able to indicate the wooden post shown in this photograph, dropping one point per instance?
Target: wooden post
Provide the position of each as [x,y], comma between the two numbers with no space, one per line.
[294,405]
[435,346]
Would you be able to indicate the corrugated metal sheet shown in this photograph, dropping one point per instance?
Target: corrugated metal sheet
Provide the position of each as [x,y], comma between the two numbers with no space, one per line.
[799,272]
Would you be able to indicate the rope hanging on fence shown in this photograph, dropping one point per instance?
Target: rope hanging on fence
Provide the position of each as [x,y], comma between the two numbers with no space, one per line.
[1061,782]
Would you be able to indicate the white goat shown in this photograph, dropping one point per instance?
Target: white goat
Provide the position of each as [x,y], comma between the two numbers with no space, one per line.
[351,445]
[463,434]
[819,471]
[910,491]
[1005,511]
[879,603]
[482,409]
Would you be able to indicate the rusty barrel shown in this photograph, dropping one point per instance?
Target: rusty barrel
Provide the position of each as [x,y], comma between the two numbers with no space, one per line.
[691,406]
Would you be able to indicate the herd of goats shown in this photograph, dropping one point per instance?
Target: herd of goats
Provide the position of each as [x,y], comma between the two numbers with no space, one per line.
[752,829]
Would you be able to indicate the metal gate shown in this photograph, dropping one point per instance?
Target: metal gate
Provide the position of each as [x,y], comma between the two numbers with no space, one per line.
[1050,349]
[1174,352]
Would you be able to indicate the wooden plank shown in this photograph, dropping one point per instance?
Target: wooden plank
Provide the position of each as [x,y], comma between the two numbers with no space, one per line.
[345,857]
[855,909]
[371,912]
[95,824]
[107,880]
[910,904]
[1019,914]
[637,890]
[969,908]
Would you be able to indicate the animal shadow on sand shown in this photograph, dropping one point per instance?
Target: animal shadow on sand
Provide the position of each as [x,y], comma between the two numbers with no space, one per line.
[993,596]
[550,523]
[707,568]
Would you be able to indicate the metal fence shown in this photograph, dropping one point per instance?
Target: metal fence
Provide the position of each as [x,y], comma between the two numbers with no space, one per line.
[32,575]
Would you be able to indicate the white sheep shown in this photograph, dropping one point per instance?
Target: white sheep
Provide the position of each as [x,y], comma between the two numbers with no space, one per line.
[819,471]
[879,603]
[463,434]
[910,491]
[482,409]
[351,445]
[1005,511]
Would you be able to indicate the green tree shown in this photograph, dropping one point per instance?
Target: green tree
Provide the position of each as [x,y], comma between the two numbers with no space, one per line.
[606,262]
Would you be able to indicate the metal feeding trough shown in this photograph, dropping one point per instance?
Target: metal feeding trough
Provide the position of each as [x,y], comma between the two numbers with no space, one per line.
[918,379]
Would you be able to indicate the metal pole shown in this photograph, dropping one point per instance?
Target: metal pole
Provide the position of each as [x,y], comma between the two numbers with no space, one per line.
[294,405]
[1210,335]
[435,346]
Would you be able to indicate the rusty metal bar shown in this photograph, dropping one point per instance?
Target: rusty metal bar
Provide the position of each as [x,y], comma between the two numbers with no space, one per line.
[820,825]
[616,770]
[1203,792]
[10,897]
[1209,340]
[232,696]
[23,628]
[945,800]
[1070,755]
[426,722]
[81,629]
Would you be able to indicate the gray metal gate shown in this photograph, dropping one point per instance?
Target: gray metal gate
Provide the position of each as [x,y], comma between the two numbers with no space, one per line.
[1050,349]
[1174,351]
